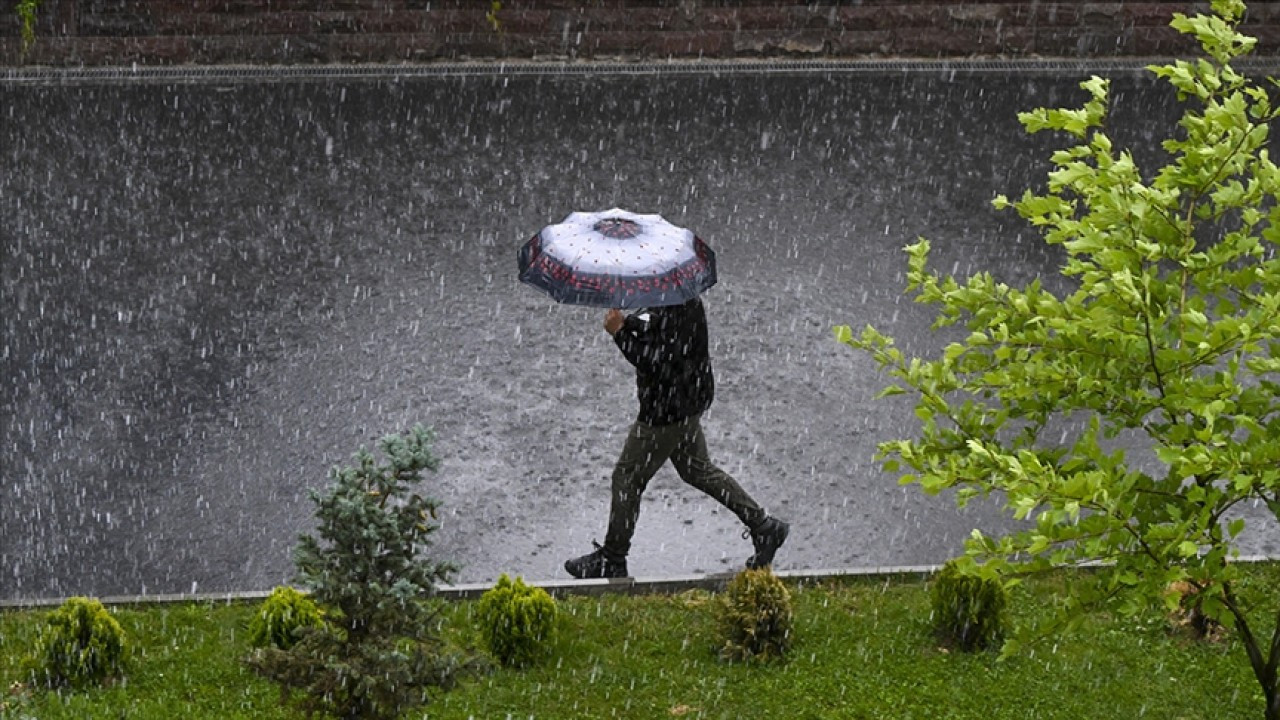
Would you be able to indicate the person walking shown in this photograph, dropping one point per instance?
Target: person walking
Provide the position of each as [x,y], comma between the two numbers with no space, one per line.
[674,383]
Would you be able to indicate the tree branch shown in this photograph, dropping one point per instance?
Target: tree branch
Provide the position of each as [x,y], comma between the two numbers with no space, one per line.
[1244,136]
[1217,514]
[1211,355]
[1141,541]
[1155,367]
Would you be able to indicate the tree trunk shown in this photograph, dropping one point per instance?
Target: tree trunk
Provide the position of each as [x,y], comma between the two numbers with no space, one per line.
[1265,668]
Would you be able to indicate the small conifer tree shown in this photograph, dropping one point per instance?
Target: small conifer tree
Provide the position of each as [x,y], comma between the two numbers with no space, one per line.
[378,650]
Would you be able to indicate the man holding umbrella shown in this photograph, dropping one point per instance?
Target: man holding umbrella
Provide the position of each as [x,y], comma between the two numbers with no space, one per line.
[625,259]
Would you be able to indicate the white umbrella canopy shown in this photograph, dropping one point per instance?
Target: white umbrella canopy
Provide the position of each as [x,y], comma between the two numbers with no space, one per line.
[617,259]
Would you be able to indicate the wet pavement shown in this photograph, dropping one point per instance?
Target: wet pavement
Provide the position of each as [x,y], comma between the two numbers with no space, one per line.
[213,292]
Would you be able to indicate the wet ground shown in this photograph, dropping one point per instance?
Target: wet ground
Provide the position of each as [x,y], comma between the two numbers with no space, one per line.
[214,292]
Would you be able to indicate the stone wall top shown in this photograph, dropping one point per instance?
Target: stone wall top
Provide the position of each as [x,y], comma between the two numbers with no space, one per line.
[115,32]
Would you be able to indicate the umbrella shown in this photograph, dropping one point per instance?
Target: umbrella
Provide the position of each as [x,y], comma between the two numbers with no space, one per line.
[617,259]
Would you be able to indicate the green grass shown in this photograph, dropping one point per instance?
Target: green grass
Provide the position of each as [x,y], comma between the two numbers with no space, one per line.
[183,665]
[863,649]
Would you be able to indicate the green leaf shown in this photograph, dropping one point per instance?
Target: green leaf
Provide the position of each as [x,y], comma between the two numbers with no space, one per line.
[889,391]
[1169,455]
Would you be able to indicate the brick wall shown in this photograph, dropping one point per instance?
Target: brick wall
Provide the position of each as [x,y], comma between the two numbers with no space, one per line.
[111,32]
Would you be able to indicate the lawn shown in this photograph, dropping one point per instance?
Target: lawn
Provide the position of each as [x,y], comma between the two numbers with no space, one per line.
[863,649]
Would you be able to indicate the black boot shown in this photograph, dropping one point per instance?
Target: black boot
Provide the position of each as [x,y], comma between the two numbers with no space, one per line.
[767,537]
[598,564]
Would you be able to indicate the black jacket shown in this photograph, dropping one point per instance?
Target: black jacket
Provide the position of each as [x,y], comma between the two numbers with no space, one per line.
[668,347]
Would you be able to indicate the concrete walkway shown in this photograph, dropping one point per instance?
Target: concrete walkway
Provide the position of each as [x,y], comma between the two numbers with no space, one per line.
[561,588]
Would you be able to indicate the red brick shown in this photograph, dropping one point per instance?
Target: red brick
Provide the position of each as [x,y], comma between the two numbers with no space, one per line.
[1055,14]
[54,17]
[861,18]
[533,46]
[855,42]
[1058,42]
[116,25]
[1018,41]
[588,19]
[1163,41]
[459,21]
[656,45]
[284,23]
[786,18]
[1263,13]
[1150,13]
[252,7]
[128,50]
[1268,37]
[808,43]
[978,14]
[948,42]
[522,21]
[1098,12]
[116,7]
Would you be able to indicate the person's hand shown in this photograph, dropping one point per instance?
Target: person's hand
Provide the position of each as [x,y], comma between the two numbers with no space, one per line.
[613,321]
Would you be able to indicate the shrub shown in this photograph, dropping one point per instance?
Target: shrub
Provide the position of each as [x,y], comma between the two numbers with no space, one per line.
[968,611]
[380,649]
[283,614]
[516,621]
[754,617]
[80,644]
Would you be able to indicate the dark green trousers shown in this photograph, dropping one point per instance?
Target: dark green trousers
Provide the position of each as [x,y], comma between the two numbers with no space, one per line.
[646,449]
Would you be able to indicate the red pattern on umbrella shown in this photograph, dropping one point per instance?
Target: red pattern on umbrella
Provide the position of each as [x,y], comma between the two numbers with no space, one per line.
[609,283]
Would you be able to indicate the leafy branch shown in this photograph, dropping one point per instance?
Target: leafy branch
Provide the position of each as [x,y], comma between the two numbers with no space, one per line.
[26,10]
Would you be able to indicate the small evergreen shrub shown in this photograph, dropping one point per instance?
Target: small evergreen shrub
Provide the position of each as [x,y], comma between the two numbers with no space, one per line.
[380,650]
[754,617]
[80,644]
[516,621]
[969,613]
[283,614]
